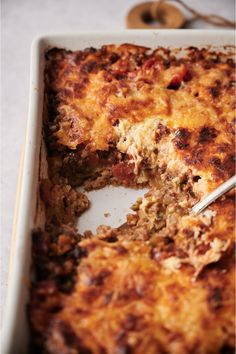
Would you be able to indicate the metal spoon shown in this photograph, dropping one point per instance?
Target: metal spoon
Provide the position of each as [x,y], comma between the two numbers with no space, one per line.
[211,197]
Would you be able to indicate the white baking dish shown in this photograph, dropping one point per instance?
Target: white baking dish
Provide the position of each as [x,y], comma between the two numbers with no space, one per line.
[15,331]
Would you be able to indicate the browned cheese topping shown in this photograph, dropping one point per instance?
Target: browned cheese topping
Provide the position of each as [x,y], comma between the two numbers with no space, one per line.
[163,283]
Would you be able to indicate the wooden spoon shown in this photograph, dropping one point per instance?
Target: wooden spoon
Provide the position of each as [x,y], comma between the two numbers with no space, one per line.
[154,15]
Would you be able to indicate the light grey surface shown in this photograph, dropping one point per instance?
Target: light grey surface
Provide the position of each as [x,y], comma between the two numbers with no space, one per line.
[22,20]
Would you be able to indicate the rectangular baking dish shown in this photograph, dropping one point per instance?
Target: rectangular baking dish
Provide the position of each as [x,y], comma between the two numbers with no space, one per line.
[28,212]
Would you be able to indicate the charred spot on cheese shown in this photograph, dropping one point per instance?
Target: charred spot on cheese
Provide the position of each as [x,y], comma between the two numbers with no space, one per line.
[55,53]
[80,87]
[188,75]
[230,164]
[196,157]
[88,67]
[115,123]
[114,57]
[98,279]
[217,163]
[215,297]
[61,336]
[207,134]
[215,90]
[175,83]
[162,130]
[181,139]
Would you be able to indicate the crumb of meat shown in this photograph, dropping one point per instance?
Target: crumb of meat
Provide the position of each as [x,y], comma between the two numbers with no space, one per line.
[62,203]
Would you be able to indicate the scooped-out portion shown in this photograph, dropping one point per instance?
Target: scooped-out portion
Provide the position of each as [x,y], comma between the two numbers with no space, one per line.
[163,281]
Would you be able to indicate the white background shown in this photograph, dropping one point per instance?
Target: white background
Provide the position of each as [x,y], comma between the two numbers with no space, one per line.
[22,20]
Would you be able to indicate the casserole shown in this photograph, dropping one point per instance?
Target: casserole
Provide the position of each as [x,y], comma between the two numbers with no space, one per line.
[15,325]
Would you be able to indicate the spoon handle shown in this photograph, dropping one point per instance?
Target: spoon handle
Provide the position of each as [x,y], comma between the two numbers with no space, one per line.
[215,194]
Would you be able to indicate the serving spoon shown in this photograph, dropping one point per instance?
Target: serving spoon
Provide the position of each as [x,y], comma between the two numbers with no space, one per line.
[215,194]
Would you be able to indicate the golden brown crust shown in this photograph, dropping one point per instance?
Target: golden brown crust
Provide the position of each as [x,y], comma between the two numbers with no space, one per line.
[164,282]
[193,97]
[129,298]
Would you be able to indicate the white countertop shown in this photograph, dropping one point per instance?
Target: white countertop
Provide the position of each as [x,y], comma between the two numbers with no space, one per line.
[21,22]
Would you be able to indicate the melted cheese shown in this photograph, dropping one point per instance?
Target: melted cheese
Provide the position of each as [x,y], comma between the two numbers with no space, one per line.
[138,140]
[142,292]
[93,91]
